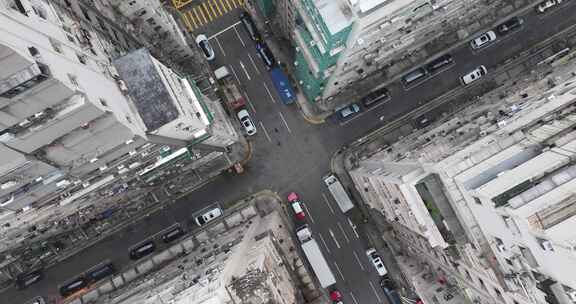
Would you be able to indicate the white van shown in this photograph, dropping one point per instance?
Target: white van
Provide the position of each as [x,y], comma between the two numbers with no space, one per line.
[208,216]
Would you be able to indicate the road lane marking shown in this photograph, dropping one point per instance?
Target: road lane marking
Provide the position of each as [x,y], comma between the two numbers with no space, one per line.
[334,238]
[353,228]
[218,7]
[212,9]
[245,71]
[340,272]
[235,76]
[224,30]
[241,41]
[207,10]
[323,241]
[375,292]
[344,233]
[269,94]
[254,64]
[308,212]
[327,203]
[353,298]
[265,131]
[285,123]
[358,260]
[220,45]
[249,102]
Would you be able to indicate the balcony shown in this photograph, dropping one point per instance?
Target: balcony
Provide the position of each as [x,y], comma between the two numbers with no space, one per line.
[24,79]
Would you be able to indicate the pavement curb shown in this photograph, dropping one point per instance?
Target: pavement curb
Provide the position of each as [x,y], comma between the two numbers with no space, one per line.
[248,156]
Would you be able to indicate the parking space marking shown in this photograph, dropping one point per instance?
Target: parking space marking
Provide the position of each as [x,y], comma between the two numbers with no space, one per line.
[343,232]
[265,131]
[353,298]
[327,203]
[285,123]
[334,238]
[375,292]
[339,271]
[324,242]
[221,48]
[358,260]
[254,64]
[245,71]
[353,228]
[269,93]
[224,30]
[308,212]
[235,76]
[240,38]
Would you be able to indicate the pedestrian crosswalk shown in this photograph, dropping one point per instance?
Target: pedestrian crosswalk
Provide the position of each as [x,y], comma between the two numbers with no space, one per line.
[198,14]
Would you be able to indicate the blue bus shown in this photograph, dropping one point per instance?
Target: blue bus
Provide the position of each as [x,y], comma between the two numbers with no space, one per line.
[282,86]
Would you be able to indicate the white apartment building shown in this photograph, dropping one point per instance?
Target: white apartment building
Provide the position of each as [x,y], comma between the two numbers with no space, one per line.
[487,197]
[69,123]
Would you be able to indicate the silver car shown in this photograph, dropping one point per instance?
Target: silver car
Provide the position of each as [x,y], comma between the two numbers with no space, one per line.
[483,40]
[208,216]
[476,74]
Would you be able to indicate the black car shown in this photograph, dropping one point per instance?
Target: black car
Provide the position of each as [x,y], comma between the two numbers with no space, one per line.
[250,26]
[439,63]
[509,26]
[73,286]
[266,55]
[142,250]
[375,97]
[101,271]
[173,234]
[24,280]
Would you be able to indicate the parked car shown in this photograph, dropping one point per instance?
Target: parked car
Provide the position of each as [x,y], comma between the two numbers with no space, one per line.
[172,234]
[246,122]
[142,250]
[375,97]
[348,111]
[542,7]
[209,216]
[376,261]
[24,280]
[296,205]
[250,26]
[73,286]
[266,55]
[439,63]
[509,26]
[414,76]
[101,271]
[474,75]
[483,40]
[37,300]
[204,45]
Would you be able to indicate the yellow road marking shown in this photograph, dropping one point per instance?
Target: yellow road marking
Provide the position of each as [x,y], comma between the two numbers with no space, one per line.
[198,15]
[227,4]
[218,7]
[185,18]
[207,11]
[212,8]
[240,2]
[191,17]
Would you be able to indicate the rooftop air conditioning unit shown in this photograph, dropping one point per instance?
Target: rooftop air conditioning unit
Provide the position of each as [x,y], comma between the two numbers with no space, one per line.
[547,245]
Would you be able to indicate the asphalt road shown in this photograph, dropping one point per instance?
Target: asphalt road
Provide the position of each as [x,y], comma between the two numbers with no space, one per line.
[290,154]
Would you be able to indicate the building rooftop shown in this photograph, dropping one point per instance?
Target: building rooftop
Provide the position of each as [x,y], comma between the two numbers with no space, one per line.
[336,14]
[145,85]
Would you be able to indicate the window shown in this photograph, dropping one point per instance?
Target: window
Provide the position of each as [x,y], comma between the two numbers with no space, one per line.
[477,201]
[482,284]
[85,13]
[103,102]
[509,262]
[128,119]
[73,80]
[70,38]
[157,28]
[33,51]
[151,20]
[142,13]
[56,46]
[468,275]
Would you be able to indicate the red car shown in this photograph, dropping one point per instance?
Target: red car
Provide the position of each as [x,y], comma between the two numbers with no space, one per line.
[336,296]
[296,205]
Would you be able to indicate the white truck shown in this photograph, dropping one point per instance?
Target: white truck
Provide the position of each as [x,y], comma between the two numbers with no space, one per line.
[338,192]
[315,257]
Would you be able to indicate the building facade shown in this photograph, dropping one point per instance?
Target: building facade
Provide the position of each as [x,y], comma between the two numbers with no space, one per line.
[484,197]
[69,123]
[340,43]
